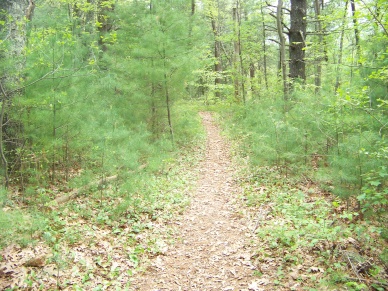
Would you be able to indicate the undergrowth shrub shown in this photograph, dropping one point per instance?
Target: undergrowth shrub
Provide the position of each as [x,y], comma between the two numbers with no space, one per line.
[301,230]
[19,227]
[338,141]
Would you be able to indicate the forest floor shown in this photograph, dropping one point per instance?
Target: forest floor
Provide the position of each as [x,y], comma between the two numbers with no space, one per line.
[212,250]
[206,224]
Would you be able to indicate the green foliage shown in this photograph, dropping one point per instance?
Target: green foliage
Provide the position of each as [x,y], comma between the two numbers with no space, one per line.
[298,228]
[269,136]
[102,112]
[95,107]
[340,138]
[374,195]
[300,219]
[20,227]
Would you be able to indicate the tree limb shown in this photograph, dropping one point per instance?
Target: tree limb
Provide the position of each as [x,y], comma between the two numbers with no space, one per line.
[375,18]
[284,25]
[3,158]
[45,77]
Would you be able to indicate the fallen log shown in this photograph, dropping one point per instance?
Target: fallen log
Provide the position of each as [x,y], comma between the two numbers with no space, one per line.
[76,192]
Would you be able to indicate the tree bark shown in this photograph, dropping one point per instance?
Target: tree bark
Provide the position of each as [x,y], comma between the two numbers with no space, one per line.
[264,51]
[104,20]
[16,13]
[30,9]
[4,160]
[282,48]
[318,28]
[217,54]
[192,13]
[240,53]
[297,39]
[236,54]
[341,45]
[192,7]
[356,31]
[167,96]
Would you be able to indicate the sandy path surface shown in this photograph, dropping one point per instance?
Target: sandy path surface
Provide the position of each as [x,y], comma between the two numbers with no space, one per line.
[212,250]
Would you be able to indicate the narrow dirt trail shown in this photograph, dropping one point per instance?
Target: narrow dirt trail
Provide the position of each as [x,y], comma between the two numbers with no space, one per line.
[211,252]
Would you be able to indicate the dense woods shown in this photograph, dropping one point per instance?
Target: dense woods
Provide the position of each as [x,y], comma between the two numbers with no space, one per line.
[101,96]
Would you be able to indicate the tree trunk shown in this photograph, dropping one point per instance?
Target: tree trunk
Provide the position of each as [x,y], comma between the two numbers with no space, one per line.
[217,64]
[341,45]
[16,13]
[192,7]
[192,13]
[318,28]
[168,107]
[4,161]
[240,54]
[282,48]
[104,20]
[252,72]
[264,51]
[356,31]
[167,96]
[297,39]
[236,53]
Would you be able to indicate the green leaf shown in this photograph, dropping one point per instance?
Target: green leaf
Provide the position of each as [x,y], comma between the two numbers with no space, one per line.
[375,183]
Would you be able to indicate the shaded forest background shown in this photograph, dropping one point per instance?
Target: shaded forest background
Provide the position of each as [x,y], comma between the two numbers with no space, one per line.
[99,90]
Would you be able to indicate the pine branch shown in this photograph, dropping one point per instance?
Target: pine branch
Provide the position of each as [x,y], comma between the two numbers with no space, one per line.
[44,77]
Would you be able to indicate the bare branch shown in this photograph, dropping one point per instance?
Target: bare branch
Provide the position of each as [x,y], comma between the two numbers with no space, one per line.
[274,40]
[45,76]
[375,18]
[352,266]
[284,25]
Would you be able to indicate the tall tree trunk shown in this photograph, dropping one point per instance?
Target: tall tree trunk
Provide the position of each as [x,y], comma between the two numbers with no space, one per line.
[252,73]
[282,48]
[297,39]
[4,160]
[104,20]
[236,53]
[264,51]
[341,45]
[192,7]
[167,96]
[217,54]
[318,29]
[16,13]
[356,31]
[240,53]
[154,111]
[192,13]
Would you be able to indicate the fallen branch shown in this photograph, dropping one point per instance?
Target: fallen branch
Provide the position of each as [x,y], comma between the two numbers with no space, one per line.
[352,266]
[76,192]
[263,212]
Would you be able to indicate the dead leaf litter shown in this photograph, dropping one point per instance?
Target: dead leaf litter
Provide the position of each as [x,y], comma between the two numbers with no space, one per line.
[212,252]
